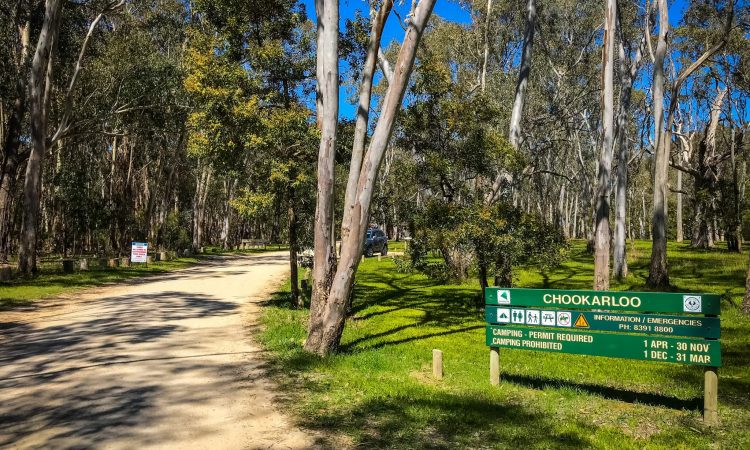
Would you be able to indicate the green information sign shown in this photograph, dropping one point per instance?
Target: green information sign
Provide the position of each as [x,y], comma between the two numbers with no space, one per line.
[655,302]
[693,326]
[648,348]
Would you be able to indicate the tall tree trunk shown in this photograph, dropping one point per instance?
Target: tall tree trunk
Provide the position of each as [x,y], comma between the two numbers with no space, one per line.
[734,228]
[199,204]
[327,325]
[678,212]
[746,301]
[523,74]
[485,59]
[324,261]
[363,111]
[293,245]
[628,71]
[602,232]
[705,181]
[514,134]
[12,158]
[658,274]
[39,111]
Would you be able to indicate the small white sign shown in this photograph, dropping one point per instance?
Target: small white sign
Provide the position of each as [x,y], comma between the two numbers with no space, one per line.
[564,319]
[548,318]
[692,303]
[138,252]
[503,297]
[518,316]
[533,317]
[503,315]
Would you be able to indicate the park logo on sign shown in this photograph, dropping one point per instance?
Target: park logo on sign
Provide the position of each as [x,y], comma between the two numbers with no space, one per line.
[503,297]
[533,317]
[518,316]
[548,318]
[691,303]
[563,319]
[503,315]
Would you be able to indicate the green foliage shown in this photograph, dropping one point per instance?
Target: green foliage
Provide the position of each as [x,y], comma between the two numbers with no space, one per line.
[499,237]
[175,231]
[253,204]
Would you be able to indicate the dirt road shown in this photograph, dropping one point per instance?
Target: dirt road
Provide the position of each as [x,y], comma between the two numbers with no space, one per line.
[168,362]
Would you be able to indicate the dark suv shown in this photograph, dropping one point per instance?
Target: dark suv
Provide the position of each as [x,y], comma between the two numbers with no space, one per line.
[376,242]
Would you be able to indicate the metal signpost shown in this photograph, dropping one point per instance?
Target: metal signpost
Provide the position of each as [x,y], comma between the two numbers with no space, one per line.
[628,325]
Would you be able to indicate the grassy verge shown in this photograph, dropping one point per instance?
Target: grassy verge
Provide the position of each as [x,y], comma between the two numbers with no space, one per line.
[51,282]
[379,392]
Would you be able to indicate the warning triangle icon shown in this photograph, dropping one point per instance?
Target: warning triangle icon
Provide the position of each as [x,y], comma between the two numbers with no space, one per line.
[581,322]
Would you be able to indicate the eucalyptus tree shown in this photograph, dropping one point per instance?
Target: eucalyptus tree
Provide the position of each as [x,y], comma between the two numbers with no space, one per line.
[16,45]
[328,308]
[602,230]
[630,56]
[658,270]
[40,74]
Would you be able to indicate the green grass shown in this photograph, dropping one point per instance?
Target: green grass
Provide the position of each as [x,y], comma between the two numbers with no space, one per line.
[51,281]
[379,393]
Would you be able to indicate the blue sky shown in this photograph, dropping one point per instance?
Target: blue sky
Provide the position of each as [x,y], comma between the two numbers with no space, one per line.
[448,10]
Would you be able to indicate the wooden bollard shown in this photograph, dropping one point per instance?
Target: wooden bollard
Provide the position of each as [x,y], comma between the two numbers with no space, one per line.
[124,261]
[437,364]
[68,266]
[84,264]
[6,273]
[494,366]
[164,256]
[113,263]
[149,259]
[710,396]
[380,257]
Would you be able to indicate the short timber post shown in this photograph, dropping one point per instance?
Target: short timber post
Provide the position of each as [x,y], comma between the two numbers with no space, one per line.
[437,364]
[711,395]
[494,366]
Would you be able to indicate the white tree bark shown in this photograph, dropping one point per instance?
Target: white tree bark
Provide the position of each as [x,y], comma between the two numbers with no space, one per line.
[483,77]
[328,112]
[523,75]
[327,325]
[37,99]
[524,72]
[363,112]
[602,232]
[658,273]
[628,71]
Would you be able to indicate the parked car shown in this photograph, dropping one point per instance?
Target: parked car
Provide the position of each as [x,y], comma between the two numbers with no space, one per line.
[376,242]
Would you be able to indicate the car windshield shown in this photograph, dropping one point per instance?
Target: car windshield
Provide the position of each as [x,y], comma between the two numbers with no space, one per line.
[369,234]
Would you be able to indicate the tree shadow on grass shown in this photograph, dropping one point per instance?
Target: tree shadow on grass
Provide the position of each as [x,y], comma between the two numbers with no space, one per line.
[440,420]
[607,392]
